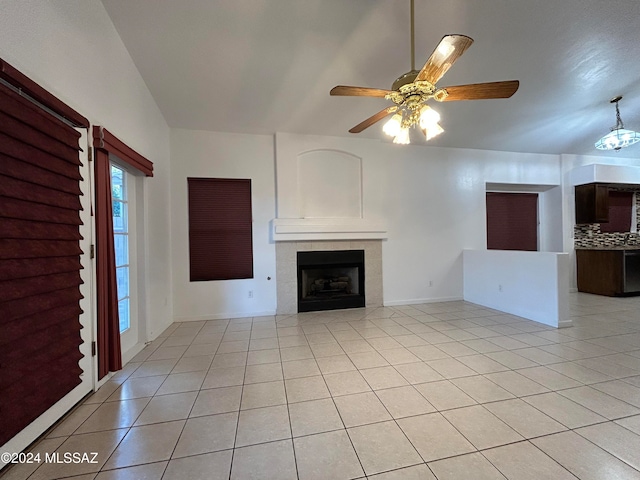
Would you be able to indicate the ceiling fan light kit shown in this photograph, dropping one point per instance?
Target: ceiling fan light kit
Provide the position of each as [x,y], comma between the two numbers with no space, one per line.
[619,137]
[393,125]
[427,118]
[411,91]
[402,138]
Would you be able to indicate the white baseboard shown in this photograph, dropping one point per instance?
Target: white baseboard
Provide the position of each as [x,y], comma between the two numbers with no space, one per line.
[415,301]
[565,323]
[573,290]
[222,316]
[132,352]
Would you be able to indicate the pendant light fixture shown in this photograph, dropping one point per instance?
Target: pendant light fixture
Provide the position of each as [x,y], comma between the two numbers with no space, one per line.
[619,137]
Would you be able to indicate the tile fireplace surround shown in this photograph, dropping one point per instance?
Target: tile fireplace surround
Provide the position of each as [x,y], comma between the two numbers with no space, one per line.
[287,273]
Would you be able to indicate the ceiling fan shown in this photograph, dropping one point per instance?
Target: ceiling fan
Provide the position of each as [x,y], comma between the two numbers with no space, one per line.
[411,91]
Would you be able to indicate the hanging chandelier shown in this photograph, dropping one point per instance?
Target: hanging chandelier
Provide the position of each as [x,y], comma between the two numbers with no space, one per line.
[619,137]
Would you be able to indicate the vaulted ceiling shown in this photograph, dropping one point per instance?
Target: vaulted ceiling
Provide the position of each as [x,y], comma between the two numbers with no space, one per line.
[265,66]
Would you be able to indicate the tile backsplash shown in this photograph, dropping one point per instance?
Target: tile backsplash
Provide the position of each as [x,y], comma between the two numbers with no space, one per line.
[586,236]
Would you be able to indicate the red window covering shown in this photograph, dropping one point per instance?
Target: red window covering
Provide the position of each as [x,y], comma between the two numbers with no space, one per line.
[512,221]
[108,334]
[620,208]
[39,94]
[39,259]
[105,144]
[220,230]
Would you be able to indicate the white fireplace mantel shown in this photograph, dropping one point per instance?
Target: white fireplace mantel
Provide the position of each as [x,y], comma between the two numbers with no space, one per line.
[302,229]
[327,189]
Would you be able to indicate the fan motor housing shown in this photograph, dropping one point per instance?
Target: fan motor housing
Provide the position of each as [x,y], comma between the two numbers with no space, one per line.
[404,79]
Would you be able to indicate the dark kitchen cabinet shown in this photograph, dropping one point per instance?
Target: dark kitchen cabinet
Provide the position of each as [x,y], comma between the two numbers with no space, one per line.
[608,272]
[592,203]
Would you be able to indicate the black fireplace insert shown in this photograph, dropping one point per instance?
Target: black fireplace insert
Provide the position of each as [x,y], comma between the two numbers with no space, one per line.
[330,280]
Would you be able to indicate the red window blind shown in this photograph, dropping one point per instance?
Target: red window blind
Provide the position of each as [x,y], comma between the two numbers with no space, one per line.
[620,208]
[39,261]
[220,229]
[512,221]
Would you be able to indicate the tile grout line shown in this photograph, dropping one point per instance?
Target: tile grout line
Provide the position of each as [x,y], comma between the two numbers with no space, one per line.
[235,437]
[333,401]
[376,324]
[286,399]
[534,446]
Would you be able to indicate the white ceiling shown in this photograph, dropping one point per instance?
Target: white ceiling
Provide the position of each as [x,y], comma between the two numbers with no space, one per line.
[265,66]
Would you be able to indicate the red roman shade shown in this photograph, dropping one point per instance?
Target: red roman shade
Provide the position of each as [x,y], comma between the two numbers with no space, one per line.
[220,231]
[19,80]
[512,221]
[39,255]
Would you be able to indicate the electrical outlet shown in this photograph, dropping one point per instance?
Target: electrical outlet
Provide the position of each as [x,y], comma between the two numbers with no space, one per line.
[499,288]
[431,283]
[250,293]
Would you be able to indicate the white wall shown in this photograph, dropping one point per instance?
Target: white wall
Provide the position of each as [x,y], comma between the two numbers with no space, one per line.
[437,208]
[72,49]
[532,285]
[220,155]
[432,201]
[549,211]
[291,148]
[550,218]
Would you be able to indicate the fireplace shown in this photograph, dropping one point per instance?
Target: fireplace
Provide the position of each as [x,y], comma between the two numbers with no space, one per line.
[330,280]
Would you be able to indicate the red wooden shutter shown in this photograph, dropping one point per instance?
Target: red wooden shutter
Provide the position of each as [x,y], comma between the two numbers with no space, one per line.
[39,262]
[220,230]
[620,207]
[512,221]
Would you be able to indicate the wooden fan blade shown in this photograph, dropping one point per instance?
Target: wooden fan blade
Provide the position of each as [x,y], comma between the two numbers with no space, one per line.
[373,119]
[358,91]
[482,91]
[450,48]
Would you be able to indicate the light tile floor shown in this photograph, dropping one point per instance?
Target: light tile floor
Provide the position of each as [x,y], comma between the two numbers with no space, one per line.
[447,391]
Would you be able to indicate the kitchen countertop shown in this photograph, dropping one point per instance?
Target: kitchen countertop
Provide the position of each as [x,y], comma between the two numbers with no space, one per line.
[615,247]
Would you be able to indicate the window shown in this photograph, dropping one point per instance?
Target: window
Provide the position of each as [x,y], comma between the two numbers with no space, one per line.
[220,231]
[121,243]
[512,221]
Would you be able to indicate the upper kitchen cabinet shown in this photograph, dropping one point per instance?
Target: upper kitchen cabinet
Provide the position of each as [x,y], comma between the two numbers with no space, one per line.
[592,203]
